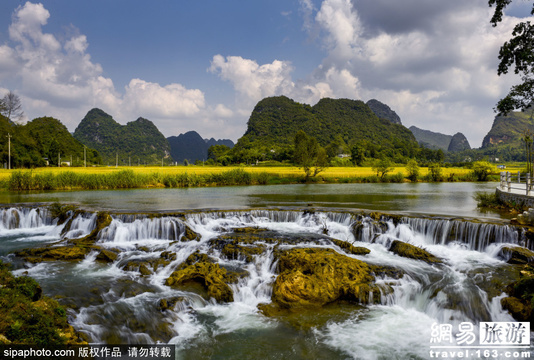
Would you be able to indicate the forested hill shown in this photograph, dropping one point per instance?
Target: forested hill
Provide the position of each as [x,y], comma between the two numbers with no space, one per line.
[138,142]
[275,121]
[41,139]
[509,129]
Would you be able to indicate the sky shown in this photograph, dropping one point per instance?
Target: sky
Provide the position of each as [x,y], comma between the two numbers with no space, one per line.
[203,65]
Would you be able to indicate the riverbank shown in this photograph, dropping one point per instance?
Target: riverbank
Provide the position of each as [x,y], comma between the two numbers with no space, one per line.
[202,176]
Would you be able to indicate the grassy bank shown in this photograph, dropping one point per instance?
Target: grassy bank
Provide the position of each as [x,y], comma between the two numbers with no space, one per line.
[198,176]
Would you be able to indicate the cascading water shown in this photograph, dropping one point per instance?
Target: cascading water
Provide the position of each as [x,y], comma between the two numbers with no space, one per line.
[116,303]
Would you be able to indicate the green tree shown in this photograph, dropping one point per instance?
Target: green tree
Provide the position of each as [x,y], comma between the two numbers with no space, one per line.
[382,167]
[309,155]
[518,51]
[413,170]
[357,155]
[434,172]
[481,170]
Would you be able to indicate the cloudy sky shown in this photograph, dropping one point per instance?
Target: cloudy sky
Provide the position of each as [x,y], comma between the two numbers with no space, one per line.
[203,65]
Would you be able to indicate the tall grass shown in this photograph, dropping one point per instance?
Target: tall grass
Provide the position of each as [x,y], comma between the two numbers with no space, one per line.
[181,177]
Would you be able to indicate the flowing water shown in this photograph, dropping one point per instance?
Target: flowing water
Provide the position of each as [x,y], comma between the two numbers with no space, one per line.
[113,303]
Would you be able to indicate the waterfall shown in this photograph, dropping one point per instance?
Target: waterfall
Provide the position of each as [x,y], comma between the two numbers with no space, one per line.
[116,302]
[24,218]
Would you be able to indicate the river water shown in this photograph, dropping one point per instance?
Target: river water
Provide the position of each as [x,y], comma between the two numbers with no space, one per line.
[114,303]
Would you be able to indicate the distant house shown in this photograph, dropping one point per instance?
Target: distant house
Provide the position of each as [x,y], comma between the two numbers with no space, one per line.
[501,166]
[343,156]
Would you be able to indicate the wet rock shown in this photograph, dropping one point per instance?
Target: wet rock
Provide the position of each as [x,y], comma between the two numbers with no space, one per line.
[520,310]
[199,269]
[516,255]
[521,301]
[189,235]
[53,253]
[313,277]
[143,269]
[107,256]
[168,304]
[351,249]
[235,251]
[413,252]
[249,230]
[526,218]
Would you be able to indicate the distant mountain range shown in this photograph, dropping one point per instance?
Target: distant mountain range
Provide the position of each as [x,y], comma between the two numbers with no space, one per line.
[337,124]
[436,140]
[192,147]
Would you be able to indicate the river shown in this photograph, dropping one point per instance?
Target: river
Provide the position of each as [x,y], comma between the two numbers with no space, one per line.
[115,303]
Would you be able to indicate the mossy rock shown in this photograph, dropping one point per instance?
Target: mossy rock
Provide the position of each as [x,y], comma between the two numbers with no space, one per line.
[249,230]
[351,249]
[189,235]
[413,252]
[516,255]
[53,253]
[235,251]
[313,277]
[28,317]
[200,270]
[520,310]
[107,256]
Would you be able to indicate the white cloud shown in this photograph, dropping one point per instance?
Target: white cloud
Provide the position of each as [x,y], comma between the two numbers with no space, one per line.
[251,80]
[61,80]
[152,100]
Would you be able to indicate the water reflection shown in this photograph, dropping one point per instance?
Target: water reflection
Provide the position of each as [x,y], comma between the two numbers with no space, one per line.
[454,199]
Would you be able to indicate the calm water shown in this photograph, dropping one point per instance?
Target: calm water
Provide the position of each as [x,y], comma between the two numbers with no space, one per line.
[452,199]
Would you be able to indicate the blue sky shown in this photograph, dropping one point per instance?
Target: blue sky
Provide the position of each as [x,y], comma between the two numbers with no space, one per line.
[203,65]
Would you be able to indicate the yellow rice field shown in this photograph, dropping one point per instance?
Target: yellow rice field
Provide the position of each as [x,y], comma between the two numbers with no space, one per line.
[289,171]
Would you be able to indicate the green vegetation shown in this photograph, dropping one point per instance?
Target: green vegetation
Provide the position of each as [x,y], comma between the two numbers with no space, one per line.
[28,317]
[382,167]
[309,155]
[41,139]
[138,142]
[482,169]
[336,124]
[413,170]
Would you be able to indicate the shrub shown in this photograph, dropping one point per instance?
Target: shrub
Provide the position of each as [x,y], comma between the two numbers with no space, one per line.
[481,170]
[413,170]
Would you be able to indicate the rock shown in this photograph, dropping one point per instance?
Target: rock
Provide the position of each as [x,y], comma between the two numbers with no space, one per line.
[413,252]
[516,255]
[518,309]
[351,249]
[313,277]
[235,251]
[107,256]
[168,304]
[52,253]
[526,218]
[189,235]
[143,269]
[199,269]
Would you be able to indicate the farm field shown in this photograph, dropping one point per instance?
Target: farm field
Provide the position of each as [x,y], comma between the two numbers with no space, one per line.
[283,171]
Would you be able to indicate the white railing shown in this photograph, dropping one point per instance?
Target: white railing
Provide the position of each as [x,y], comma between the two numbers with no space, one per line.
[521,182]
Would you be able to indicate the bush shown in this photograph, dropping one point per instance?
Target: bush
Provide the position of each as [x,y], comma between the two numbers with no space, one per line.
[481,170]
[434,172]
[413,170]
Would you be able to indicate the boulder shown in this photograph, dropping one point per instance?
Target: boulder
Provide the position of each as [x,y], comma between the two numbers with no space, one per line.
[313,277]
[198,269]
[517,308]
[351,249]
[413,252]
[516,255]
